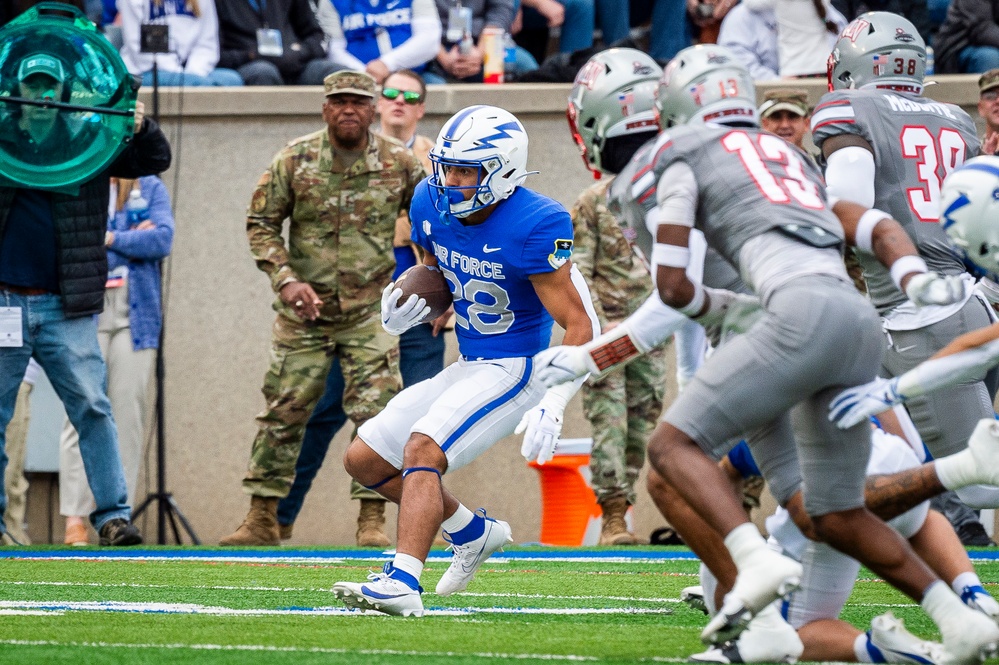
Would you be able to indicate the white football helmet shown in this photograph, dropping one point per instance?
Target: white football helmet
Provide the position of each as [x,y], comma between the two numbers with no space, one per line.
[485,137]
[878,48]
[613,95]
[706,83]
[969,212]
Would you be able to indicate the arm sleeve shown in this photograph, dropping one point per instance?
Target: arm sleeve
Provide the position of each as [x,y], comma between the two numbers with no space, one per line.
[676,195]
[270,206]
[147,154]
[340,55]
[422,46]
[850,175]
[204,55]
[149,244]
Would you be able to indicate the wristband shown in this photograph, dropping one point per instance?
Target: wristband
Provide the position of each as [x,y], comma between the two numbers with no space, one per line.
[905,265]
[863,237]
[694,307]
[670,256]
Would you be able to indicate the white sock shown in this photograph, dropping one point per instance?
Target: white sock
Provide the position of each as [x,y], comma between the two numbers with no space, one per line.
[743,541]
[963,580]
[957,470]
[461,518]
[941,603]
[860,649]
[408,564]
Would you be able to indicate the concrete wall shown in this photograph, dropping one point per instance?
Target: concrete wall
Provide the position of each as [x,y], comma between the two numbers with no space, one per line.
[219,305]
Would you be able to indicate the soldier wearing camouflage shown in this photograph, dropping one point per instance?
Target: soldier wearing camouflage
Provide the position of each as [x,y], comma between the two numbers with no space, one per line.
[342,205]
[624,406]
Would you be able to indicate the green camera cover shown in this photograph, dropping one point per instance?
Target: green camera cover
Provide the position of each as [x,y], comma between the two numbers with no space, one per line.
[67,102]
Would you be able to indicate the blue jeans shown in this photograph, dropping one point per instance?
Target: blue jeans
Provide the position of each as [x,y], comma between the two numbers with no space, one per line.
[978,59]
[612,15]
[67,350]
[670,32]
[421,356]
[217,77]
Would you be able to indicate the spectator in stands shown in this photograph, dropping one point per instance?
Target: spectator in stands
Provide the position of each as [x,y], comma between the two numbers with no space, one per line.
[128,330]
[13,479]
[401,105]
[670,29]
[988,109]
[706,15]
[752,35]
[786,113]
[926,16]
[457,62]
[968,40]
[381,36]
[194,42]
[806,33]
[574,18]
[273,42]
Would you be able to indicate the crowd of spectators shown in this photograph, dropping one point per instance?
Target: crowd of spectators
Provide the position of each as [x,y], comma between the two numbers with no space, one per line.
[278,42]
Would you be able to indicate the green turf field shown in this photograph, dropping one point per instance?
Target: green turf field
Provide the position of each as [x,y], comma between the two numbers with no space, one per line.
[525,607]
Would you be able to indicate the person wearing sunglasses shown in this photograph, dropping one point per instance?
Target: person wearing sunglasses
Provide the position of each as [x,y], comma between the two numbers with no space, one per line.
[988,109]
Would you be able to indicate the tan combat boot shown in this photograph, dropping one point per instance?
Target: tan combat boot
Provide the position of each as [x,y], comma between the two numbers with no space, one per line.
[371,524]
[284,530]
[260,526]
[614,530]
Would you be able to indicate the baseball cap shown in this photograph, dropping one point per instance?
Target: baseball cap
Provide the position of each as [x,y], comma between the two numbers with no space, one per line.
[794,100]
[349,83]
[41,63]
[988,80]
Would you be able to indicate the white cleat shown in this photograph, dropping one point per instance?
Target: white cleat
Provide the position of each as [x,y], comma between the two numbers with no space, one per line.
[467,558]
[983,444]
[693,597]
[761,580]
[969,638]
[977,598]
[382,594]
[767,639]
[890,642]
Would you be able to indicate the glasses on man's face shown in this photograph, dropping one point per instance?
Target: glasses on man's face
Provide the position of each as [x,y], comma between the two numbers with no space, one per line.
[408,96]
[989,95]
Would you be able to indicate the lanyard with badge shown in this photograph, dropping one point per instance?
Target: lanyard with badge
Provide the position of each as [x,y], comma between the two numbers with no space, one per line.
[10,327]
[269,40]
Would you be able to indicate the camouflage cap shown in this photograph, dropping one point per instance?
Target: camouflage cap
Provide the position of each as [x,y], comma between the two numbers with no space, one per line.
[988,80]
[345,82]
[794,100]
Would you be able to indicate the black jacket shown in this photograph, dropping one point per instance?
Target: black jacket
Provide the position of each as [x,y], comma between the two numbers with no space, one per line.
[301,35]
[968,23]
[81,221]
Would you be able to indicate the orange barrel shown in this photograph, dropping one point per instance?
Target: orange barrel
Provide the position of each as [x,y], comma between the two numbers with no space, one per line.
[570,514]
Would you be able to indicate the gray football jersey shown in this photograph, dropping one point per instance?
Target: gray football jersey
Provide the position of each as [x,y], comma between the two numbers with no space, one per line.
[916,143]
[749,183]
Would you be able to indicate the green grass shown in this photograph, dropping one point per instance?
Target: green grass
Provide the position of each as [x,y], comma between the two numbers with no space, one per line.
[484,633]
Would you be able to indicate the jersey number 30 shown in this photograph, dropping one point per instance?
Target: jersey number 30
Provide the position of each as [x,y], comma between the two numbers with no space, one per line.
[947,149]
[760,156]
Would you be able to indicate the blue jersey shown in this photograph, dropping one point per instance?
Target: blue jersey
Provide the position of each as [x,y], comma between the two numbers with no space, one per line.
[497,312]
[373,27]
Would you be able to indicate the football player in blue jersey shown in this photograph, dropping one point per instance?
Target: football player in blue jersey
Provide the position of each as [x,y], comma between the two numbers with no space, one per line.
[505,252]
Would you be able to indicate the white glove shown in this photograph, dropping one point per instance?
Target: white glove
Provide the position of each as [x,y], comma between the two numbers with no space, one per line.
[542,427]
[857,404]
[929,288]
[730,313]
[397,319]
[561,364]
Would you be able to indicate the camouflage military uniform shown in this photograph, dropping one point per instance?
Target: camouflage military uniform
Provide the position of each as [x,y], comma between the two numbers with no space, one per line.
[624,405]
[340,242]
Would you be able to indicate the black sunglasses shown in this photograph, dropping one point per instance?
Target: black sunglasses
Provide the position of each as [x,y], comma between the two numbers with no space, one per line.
[408,96]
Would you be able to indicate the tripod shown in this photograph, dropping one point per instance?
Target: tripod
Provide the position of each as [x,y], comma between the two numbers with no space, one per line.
[167,508]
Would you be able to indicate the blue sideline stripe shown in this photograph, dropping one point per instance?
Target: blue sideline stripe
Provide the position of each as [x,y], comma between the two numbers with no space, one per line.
[484,411]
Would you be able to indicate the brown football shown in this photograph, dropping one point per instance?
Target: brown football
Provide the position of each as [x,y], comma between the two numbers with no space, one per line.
[428,283]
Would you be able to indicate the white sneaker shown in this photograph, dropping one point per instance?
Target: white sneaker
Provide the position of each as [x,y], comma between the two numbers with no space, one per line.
[693,597]
[467,558]
[984,448]
[382,594]
[767,639]
[969,638]
[977,598]
[894,644]
[763,579]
